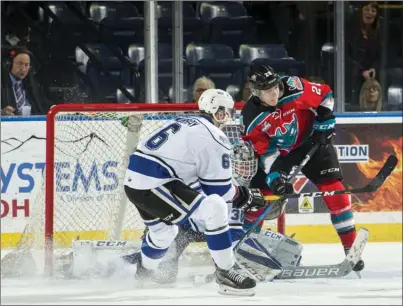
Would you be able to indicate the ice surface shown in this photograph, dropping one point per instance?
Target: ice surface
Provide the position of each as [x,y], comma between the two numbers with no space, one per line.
[381,284]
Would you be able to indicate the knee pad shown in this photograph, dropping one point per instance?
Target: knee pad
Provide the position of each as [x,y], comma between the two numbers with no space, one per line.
[214,211]
[162,235]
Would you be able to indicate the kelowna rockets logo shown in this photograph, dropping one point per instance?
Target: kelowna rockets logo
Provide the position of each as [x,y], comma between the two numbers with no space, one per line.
[285,134]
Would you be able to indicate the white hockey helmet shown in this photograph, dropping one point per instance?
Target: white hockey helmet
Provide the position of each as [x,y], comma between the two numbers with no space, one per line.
[217,103]
[244,163]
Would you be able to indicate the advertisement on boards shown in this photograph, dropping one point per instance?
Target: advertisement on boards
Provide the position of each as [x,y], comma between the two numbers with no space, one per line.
[86,171]
[362,151]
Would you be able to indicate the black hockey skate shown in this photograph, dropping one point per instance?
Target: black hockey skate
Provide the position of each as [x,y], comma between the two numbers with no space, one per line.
[233,283]
[359,266]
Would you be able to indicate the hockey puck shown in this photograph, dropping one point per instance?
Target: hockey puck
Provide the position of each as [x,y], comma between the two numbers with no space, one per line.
[203,279]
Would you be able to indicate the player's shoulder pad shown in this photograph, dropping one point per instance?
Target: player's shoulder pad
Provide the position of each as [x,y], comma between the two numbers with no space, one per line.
[209,130]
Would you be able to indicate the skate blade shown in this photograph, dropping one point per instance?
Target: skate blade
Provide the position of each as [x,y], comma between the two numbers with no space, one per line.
[224,290]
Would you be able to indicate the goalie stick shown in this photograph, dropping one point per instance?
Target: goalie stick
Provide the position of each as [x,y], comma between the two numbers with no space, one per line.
[313,272]
[330,271]
[373,186]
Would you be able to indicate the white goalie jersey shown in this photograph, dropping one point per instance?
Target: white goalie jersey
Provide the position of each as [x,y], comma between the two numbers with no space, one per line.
[190,149]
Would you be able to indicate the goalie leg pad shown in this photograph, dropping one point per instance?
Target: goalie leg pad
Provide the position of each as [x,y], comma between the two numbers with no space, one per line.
[285,249]
[254,260]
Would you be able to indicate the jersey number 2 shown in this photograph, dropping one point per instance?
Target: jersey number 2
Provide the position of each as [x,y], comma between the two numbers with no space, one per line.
[316,90]
[155,142]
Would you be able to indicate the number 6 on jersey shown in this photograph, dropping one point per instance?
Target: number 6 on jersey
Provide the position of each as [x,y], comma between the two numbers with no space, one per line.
[161,137]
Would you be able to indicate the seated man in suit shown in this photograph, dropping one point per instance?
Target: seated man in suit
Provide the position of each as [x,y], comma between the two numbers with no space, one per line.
[20,93]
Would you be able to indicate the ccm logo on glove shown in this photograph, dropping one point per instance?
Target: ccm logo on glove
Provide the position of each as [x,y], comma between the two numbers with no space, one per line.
[324,127]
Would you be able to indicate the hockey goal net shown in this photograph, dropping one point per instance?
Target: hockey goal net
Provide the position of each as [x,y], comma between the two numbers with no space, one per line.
[82,195]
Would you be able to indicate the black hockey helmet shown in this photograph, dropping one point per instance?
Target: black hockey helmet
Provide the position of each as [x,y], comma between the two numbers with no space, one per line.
[262,77]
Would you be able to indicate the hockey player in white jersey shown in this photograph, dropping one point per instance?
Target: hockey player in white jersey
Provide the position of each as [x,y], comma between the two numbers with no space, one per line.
[261,256]
[165,171]
[268,250]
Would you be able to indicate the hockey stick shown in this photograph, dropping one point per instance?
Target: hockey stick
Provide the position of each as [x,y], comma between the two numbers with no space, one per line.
[269,207]
[313,272]
[373,186]
[330,271]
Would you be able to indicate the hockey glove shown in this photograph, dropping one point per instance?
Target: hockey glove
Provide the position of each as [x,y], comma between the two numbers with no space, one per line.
[248,199]
[324,129]
[278,183]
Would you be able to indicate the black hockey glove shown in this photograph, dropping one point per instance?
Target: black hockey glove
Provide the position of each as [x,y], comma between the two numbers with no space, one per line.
[278,183]
[324,128]
[248,199]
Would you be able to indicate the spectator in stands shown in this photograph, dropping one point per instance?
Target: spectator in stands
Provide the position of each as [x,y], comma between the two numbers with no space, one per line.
[20,93]
[201,85]
[363,48]
[244,93]
[370,96]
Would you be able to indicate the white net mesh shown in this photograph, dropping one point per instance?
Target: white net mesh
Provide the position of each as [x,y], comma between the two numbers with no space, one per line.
[90,159]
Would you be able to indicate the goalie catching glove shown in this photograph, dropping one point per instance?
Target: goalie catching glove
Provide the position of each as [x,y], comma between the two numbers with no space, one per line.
[248,199]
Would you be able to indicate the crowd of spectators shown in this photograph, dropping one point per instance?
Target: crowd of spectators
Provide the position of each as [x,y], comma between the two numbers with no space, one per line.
[72,52]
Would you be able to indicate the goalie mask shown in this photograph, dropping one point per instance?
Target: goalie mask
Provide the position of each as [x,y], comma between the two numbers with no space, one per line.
[244,163]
